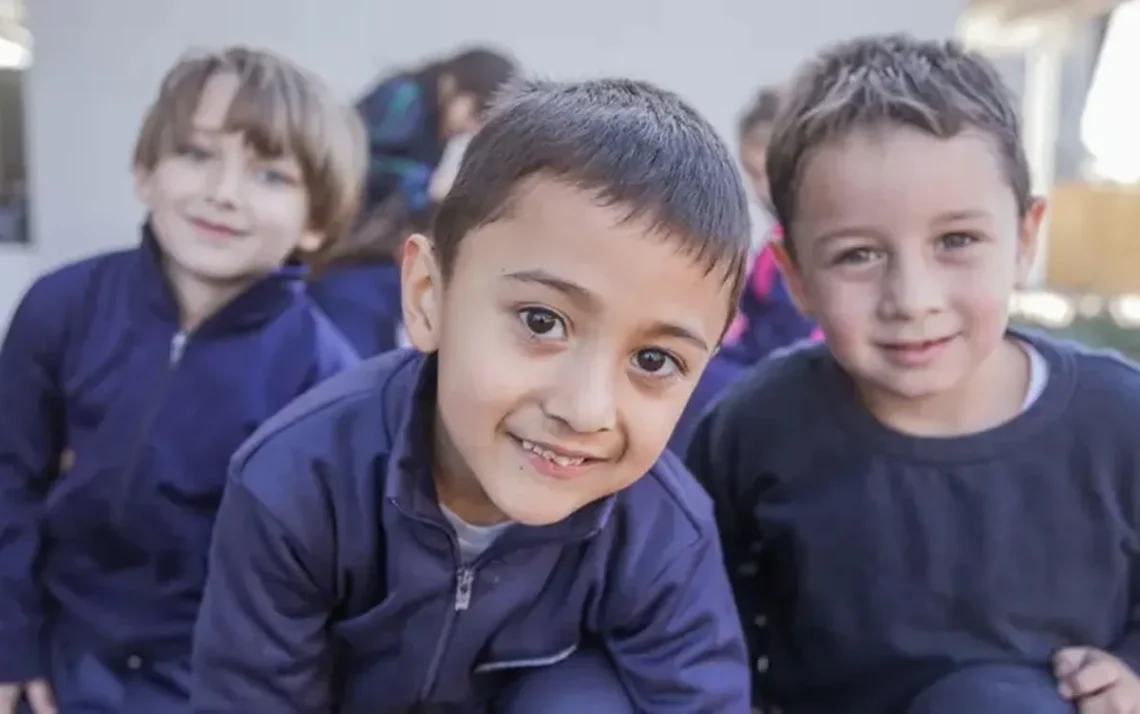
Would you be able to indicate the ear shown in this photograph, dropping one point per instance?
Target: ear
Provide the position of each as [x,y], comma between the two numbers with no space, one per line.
[142,180]
[446,86]
[421,293]
[1028,237]
[792,277]
[311,241]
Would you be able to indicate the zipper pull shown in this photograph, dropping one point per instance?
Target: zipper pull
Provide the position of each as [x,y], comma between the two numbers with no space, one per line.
[464,583]
[177,346]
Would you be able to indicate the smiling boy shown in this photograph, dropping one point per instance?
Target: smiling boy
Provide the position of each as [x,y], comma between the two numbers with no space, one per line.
[129,379]
[436,525]
[946,508]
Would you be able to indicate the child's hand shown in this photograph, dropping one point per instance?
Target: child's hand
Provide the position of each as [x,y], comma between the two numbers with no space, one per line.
[37,692]
[1096,681]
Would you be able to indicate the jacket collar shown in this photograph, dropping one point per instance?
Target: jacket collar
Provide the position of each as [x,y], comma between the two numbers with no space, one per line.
[259,303]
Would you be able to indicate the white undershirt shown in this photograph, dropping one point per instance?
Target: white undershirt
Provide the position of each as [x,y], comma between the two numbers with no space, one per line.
[473,540]
[1038,374]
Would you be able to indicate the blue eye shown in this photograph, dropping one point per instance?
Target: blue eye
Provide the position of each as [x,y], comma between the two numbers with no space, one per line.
[194,153]
[273,177]
[542,323]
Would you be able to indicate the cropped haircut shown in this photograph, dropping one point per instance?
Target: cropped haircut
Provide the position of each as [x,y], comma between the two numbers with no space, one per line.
[936,87]
[630,144]
[281,109]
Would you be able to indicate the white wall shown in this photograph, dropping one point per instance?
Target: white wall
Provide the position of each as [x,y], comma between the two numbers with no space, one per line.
[96,65]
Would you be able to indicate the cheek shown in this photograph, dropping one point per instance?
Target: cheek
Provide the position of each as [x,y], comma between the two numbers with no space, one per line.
[482,373]
[984,295]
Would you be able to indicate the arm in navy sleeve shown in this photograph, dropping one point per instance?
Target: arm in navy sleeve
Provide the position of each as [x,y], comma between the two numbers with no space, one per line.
[260,644]
[680,648]
[31,428]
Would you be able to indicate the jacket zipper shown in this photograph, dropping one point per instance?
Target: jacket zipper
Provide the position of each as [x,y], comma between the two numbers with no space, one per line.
[127,478]
[464,586]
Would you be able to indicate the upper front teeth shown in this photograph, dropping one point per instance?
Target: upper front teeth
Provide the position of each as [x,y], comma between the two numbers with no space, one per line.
[550,455]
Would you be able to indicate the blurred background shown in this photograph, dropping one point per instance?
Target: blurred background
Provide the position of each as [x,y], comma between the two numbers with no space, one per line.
[75,77]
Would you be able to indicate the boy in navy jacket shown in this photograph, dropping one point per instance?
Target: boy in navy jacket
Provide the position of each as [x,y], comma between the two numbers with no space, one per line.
[947,511]
[487,521]
[129,379]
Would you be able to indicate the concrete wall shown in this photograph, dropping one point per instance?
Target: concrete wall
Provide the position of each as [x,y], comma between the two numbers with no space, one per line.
[96,65]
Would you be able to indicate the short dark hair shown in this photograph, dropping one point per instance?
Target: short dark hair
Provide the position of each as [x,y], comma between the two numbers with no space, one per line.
[936,87]
[635,146]
[761,112]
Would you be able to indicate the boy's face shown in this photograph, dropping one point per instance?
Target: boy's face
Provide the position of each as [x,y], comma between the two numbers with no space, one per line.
[569,342]
[222,213]
[908,248]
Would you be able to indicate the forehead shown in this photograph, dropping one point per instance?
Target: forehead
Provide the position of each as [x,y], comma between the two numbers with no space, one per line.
[224,102]
[637,275]
[892,176]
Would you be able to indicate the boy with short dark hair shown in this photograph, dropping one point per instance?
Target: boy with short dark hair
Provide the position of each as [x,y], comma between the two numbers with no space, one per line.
[427,529]
[946,509]
[129,379]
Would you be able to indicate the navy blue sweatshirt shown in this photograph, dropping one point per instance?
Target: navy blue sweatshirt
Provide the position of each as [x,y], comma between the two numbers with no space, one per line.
[884,561]
[336,583]
[115,434]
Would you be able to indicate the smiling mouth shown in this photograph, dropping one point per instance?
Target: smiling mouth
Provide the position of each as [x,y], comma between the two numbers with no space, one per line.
[218,228]
[917,346]
[554,456]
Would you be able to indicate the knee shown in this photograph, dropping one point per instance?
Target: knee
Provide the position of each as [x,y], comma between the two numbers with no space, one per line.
[993,689]
[585,681]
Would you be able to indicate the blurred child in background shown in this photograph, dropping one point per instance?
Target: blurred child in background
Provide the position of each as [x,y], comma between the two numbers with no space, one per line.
[146,369]
[410,118]
[768,319]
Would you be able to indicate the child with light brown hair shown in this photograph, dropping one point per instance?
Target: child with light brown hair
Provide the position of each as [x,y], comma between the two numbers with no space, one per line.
[149,366]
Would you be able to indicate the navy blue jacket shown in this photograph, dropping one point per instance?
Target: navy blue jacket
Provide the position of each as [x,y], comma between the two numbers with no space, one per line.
[115,434]
[335,584]
[363,301]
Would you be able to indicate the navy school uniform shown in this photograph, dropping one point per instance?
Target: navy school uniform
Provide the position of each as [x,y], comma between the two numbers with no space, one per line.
[888,565]
[363,301]
[115,435]
[336,583]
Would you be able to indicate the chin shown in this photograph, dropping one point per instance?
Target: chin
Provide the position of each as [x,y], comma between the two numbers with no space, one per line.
[535,510]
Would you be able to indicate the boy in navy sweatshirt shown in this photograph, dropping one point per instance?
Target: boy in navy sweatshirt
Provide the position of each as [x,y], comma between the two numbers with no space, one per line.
[487,521]
[129,379]
[935,514]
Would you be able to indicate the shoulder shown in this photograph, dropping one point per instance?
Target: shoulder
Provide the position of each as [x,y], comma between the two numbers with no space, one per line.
[780,391]
[1104,380]
[665,509]
[320,454]
[378,389]
[334,352]
[72,280]
[61,296]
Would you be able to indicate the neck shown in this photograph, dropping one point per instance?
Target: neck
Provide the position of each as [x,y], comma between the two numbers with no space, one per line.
[990,396]
[199,299]
[456,486]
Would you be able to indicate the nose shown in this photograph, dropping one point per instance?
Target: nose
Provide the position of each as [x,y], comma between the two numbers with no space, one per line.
[226,184]
[911,289]
[584,397]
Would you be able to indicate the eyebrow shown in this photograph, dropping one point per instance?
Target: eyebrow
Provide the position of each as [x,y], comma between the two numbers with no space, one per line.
[967,214]
[590,302]
[858,231]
